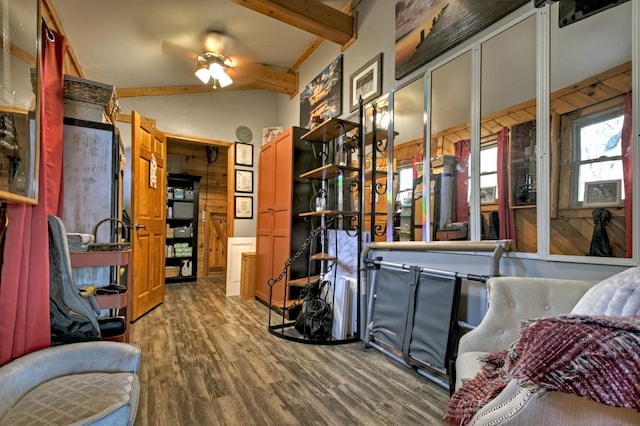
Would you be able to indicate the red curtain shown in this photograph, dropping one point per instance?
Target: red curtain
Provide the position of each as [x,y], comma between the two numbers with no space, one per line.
[627,173]
[505,214]
[24,287]
[462,151]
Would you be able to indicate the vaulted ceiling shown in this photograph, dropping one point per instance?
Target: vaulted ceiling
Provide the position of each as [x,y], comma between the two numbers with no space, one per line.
[124,43]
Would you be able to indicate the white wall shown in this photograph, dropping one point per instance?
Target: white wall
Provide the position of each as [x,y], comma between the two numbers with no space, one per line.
[213,116]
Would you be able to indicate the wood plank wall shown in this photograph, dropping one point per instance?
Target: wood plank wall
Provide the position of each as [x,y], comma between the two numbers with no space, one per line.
[191,159]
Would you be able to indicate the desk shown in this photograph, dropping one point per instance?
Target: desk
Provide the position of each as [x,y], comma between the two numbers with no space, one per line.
[83,259]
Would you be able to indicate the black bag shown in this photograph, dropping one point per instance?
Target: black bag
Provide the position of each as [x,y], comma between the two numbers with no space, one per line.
[315,317]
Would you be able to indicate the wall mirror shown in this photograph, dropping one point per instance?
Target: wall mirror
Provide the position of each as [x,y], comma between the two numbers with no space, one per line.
[449,150]
[508,178]
[378,188]
[591,171]
[19,133]
[408,126]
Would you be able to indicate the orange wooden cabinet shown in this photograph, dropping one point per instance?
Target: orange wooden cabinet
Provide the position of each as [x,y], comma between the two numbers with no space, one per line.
[282,196]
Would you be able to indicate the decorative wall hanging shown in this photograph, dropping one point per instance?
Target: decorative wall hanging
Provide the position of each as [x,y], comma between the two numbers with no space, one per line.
[425,29]
[321,99]
[244,181]
[269,133]
[244,154]
[522,165]
[366,82]
[243,207]
[602,193]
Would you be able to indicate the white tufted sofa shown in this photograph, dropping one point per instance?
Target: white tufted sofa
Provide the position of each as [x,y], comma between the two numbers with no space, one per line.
[512,299]
[76,384]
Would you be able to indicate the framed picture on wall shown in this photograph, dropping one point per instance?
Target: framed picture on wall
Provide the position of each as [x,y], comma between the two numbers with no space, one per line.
[602,193]
[321,99]
[366,82]
[244,181]
[243,207]
[244,154]
[522,165]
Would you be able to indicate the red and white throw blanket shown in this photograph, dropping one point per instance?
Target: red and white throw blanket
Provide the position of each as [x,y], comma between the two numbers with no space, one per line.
[595,357]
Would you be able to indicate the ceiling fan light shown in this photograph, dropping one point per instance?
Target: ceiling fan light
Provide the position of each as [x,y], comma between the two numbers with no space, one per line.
[216,70]
[224,80]
[203,74]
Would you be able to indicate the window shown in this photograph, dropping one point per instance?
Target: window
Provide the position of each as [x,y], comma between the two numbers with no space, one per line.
[597,150]
[489,169]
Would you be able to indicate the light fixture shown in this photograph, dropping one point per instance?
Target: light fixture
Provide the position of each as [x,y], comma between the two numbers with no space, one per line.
[211,66]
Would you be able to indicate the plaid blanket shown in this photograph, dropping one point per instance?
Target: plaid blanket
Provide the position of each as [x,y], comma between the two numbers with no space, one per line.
[595,357]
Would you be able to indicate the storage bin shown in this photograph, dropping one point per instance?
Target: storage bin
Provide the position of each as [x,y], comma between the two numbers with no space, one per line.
[181,232]
[188,194]
[178,193]
[171,271]
[182,210]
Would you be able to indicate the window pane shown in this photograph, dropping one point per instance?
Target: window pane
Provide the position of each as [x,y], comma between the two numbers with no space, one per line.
[599,171]
[488,159]
[601,139]
[489,180]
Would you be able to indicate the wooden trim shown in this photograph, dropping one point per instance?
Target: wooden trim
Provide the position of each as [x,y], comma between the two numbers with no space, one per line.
[177,137]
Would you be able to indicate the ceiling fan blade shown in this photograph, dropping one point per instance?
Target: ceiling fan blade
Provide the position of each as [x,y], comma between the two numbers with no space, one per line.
[177,50]
[215,41]
[245,73]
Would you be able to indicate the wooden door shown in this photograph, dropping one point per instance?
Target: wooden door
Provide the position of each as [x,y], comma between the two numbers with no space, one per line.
[216,244]
[148,148]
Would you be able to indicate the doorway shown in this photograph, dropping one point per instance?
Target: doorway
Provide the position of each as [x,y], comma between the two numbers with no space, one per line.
[213,160]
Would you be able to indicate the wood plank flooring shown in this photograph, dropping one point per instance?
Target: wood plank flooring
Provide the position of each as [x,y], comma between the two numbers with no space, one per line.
[210,360]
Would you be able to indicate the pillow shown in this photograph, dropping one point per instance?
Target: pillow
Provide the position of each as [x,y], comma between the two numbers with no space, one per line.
[618,295]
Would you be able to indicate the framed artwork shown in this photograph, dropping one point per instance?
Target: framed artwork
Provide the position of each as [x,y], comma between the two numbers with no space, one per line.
[602,193]
[321,99]
[243,207]
[425,29]
[244,154]
[269,133]
[488,195]
[244,181]
[522,165]
[366,82]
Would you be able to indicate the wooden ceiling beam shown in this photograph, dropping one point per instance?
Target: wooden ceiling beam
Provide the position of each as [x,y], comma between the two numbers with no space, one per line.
[308,15]
[269,78]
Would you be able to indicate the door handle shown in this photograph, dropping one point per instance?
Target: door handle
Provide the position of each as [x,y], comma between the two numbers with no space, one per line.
[138,226]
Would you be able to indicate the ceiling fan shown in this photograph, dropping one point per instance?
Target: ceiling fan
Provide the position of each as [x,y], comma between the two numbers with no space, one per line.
[221,62]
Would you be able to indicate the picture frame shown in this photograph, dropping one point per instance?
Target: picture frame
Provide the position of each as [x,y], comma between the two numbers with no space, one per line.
[243,154]
[366,82]
[488,195]
[270,133]
[243,207]
[602,193]
[244,181]
[522,165]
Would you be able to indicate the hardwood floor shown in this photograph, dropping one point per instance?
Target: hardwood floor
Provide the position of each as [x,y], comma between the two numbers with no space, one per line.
[210,360]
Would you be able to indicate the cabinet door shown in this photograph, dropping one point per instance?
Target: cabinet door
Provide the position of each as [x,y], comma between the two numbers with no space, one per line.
[266,177]
[283,171]
[264,255]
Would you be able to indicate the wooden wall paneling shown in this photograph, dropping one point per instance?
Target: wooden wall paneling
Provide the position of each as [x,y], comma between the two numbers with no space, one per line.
[191,158]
